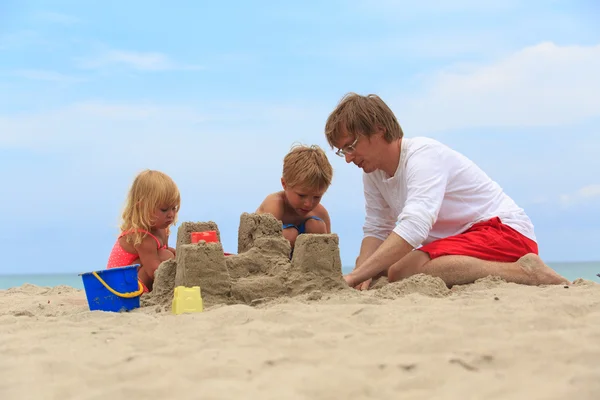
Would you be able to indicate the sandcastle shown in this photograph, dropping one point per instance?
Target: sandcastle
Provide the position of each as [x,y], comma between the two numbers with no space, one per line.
[261,270]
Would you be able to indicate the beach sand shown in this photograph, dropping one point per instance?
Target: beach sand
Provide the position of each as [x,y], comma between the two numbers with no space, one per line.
[410,340]
[414,339]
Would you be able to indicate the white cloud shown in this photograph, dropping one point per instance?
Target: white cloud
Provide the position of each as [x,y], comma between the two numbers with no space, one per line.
[430,45]
[44,75]
[587,194]
[135,112]
[56,17]
[22,39]
[129,135]
[407,8]
[542,85]
[224,157]
[90,122]
[86,121]
[143,61]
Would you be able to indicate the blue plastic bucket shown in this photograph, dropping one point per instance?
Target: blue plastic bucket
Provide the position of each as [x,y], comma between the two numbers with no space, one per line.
[115,289]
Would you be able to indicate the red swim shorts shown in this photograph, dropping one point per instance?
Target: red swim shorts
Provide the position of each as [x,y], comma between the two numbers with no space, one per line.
[488,240]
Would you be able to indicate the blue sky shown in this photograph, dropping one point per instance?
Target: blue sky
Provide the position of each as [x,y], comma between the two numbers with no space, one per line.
[215,93]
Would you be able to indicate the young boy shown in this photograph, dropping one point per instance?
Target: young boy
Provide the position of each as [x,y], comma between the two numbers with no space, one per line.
[306,177]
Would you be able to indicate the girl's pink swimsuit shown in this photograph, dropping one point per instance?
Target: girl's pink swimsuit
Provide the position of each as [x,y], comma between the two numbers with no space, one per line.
[119,257]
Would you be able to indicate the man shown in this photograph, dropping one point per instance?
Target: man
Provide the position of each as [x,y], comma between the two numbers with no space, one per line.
[429,209]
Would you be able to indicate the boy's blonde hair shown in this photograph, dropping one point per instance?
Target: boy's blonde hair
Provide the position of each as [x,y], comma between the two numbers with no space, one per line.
[150,190]
[307,166]
[361,115]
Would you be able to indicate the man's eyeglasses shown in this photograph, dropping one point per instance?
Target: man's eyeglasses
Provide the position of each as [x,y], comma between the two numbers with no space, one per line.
[351,148]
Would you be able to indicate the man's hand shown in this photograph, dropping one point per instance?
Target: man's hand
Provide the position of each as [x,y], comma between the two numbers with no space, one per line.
[348,280]
[365,285]
[368,246]
[351,281]
[387,253]
[361,286]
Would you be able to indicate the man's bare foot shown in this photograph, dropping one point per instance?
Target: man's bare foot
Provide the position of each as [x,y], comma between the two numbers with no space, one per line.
[539,272]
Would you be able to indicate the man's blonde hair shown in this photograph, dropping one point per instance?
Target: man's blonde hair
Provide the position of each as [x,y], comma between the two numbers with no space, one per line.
[361,115]
[150,190]
[308,167]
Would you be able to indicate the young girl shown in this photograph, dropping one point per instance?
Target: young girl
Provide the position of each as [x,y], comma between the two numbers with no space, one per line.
[151,208]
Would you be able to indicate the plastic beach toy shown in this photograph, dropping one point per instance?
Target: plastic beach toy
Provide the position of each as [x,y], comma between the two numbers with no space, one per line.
[208,236]
[187,300]
[114,289]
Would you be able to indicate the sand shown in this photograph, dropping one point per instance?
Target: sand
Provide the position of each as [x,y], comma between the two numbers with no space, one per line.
[267,333]
[262,270]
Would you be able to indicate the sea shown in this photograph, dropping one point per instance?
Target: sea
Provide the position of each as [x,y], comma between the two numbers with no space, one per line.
[571,270]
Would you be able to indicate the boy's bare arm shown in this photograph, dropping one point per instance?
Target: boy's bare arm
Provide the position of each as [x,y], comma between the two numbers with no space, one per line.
[314,226]
[273,205]
[322,213]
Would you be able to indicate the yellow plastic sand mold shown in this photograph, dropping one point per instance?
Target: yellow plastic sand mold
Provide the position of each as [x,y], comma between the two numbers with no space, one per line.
[187,300]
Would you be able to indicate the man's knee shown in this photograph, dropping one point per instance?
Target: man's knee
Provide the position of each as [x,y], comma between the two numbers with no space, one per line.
[409,265]
[397,273]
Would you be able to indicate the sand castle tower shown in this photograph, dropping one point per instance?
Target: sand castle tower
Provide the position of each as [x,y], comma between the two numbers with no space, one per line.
[262,269]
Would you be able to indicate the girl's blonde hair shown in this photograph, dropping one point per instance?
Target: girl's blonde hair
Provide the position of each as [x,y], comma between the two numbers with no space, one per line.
[149,191]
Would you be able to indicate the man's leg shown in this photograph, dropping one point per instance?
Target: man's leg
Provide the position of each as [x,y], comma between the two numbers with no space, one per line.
[410,264]
[460,270]
[487,248]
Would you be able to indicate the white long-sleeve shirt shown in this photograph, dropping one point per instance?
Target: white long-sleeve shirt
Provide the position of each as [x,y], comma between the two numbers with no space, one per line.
[436,192]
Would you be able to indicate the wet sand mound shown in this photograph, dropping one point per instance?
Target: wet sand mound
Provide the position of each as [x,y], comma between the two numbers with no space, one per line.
[261,270]
[425,285]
